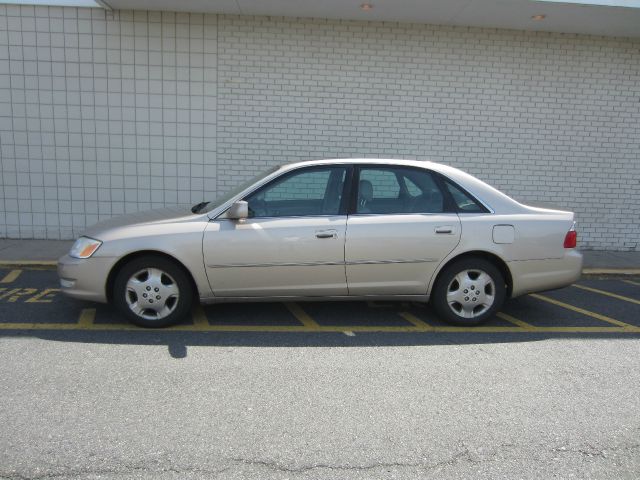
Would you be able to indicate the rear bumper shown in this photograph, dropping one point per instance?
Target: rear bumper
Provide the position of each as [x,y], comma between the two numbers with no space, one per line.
[538,275]
[86,278]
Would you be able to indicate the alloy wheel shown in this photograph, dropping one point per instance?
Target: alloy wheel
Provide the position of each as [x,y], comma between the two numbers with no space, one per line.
[152,294]
[471,293]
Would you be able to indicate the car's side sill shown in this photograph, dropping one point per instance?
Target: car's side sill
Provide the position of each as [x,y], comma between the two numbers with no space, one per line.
[337,298]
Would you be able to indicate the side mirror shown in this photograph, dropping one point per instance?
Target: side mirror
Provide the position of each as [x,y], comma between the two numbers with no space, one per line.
[238,210]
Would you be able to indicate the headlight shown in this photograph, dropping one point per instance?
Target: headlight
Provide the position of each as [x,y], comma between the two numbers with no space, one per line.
[84,247]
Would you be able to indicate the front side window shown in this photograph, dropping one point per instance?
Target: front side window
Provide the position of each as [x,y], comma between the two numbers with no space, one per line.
[389,190]
[305,192]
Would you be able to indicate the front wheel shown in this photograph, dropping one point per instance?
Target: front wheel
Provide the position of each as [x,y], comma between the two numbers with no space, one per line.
[152,291]
[469,292]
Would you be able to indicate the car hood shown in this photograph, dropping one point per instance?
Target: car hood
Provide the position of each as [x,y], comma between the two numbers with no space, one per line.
[148,217]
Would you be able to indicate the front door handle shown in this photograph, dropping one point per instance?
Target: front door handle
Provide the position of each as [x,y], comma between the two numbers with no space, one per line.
[444,229]
[327,234]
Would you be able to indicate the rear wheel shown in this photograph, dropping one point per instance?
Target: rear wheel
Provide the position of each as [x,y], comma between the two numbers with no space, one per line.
[152,291]
[469,292]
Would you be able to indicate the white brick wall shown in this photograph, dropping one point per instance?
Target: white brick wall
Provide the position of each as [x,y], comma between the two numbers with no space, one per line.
[102,114]
[106,113]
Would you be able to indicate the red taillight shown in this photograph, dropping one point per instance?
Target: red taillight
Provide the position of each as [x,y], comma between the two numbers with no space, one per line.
[571,239]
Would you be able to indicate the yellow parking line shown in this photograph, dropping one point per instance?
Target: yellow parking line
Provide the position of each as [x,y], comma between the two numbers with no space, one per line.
[14,294]
[198,328]
[302,316]
[631,282]
[43,326]
[87,316]
[11,276]
[199,317]
[586,330]
[302,328]
[588,313]
[608,294]
[420,324]
[515,321]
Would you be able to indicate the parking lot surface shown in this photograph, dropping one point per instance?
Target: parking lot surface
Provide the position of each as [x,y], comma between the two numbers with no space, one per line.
[321,390]
[30,299]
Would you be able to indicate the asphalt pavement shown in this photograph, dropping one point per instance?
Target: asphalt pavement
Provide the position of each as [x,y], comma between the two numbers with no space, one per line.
[355,390]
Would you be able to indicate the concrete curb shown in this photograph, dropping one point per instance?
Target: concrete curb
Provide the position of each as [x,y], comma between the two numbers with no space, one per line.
[611,271]
[51,264]
[29,263]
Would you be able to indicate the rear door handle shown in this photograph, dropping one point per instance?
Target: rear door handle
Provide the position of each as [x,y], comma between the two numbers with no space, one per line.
[326,233]
[444,229]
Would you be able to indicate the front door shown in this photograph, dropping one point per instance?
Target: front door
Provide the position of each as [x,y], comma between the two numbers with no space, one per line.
[292,244]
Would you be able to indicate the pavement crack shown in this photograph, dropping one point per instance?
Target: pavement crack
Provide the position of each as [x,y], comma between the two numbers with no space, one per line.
[591,451]
[125,470]
[462,456]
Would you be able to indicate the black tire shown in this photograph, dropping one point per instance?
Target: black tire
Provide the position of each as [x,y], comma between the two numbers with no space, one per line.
[159,290]
[473,307]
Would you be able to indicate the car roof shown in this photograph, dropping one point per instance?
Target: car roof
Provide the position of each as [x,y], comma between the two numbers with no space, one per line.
[438,167]
[374,161]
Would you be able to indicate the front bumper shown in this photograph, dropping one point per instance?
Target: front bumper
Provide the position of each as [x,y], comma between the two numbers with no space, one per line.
[85,278]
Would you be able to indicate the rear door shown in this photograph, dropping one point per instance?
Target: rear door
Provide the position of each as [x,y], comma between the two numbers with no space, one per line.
[399,229]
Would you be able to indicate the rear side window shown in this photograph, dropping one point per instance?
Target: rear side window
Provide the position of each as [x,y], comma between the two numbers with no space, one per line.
[463,201]
[385,182]
[397,190]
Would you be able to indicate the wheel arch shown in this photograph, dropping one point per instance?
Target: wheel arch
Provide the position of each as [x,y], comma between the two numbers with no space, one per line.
[491,257]
[113,273]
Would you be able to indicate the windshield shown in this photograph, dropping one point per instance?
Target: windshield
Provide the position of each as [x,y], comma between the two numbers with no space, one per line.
[206,206]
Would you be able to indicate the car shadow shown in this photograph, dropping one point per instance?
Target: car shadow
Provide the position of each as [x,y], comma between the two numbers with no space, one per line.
[179,342]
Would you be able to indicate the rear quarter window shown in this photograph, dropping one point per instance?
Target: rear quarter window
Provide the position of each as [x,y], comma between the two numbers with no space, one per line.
[463,201]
